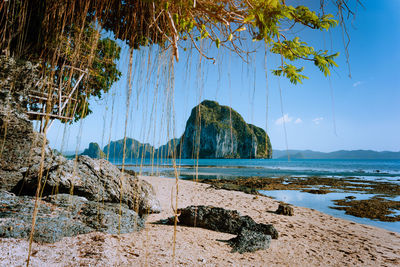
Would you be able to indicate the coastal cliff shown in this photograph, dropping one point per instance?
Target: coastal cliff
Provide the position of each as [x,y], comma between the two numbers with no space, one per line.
[94,151]
[212,131]
[216,131]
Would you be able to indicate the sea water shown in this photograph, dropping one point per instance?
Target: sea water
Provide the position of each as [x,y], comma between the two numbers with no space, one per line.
[374,170]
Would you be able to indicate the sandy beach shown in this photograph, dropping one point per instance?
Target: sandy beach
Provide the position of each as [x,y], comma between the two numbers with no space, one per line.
[309,238]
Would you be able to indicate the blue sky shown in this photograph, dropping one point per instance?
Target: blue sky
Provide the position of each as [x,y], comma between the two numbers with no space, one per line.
[323,114]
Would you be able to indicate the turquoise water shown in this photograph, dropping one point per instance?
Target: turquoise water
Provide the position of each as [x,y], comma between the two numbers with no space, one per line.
[323,202]
[374,170]
[233,168]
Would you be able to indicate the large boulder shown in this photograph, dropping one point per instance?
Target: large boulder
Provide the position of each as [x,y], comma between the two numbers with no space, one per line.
[251,236]
[249,241]
[285,209]
[216,131]
[63,215]
[222,220]
[96,180]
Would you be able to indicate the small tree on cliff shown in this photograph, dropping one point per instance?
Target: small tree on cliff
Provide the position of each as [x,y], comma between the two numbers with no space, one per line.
[58,33]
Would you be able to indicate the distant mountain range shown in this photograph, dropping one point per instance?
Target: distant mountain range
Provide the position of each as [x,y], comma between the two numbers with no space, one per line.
[340,154]
[135,149]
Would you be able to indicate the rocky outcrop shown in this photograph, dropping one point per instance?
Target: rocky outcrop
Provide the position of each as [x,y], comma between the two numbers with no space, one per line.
[17,137]
[249,241]
[94,151]
[222,220]
[63,215]
[285,209]
[251,236]
[93,188]
[96,180]
[215,131]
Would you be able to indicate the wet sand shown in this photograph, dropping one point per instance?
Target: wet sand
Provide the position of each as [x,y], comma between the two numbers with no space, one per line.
[309,238]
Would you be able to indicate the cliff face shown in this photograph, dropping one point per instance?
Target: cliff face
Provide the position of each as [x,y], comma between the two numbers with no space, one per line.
[94,151]
[167,150]
[215,131]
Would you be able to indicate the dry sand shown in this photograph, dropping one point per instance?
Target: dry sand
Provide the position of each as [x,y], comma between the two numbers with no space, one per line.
[309,238]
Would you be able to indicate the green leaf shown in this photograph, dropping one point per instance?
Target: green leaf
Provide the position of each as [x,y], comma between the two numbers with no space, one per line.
[217,42]
[249,18]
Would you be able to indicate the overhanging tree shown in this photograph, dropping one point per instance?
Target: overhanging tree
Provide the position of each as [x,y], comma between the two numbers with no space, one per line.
[58,33]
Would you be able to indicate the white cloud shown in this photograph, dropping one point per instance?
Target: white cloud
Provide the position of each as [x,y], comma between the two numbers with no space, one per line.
[318,120]
[284,119]
[357,83]
[298,120]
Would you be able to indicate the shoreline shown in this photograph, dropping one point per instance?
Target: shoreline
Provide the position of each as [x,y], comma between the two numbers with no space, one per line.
[308,238]
[371,202]
[325,203]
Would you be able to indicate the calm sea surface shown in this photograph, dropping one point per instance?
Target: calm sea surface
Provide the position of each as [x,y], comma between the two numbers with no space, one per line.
[375,170]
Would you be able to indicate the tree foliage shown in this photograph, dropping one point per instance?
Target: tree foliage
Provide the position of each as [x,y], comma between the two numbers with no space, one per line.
[57,32]
[102,73]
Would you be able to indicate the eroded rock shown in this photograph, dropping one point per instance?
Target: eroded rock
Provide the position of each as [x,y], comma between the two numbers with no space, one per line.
[63,215]
[217,131]
[96,180]
[285,209]
[93,188]
[249,241]
[222,220]
[251,236]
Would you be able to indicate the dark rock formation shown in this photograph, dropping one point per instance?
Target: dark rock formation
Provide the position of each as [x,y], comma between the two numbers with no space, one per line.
[249,241]
[134,149]
[94,151]
[96,180]
[222,220]
[374,208]
[17,137]
[285,209]
[251,235]
[215,131]
[96,186]
[63,215]
[21,155]
[317,191]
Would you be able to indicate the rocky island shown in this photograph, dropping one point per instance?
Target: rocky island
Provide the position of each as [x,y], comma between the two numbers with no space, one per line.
[216,131]
[94,151]
[212,131]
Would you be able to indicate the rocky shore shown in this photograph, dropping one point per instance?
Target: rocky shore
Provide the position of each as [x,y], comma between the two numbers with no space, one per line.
[380,206]
[46,198]
[89,213]
[71,197]
[308,238]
